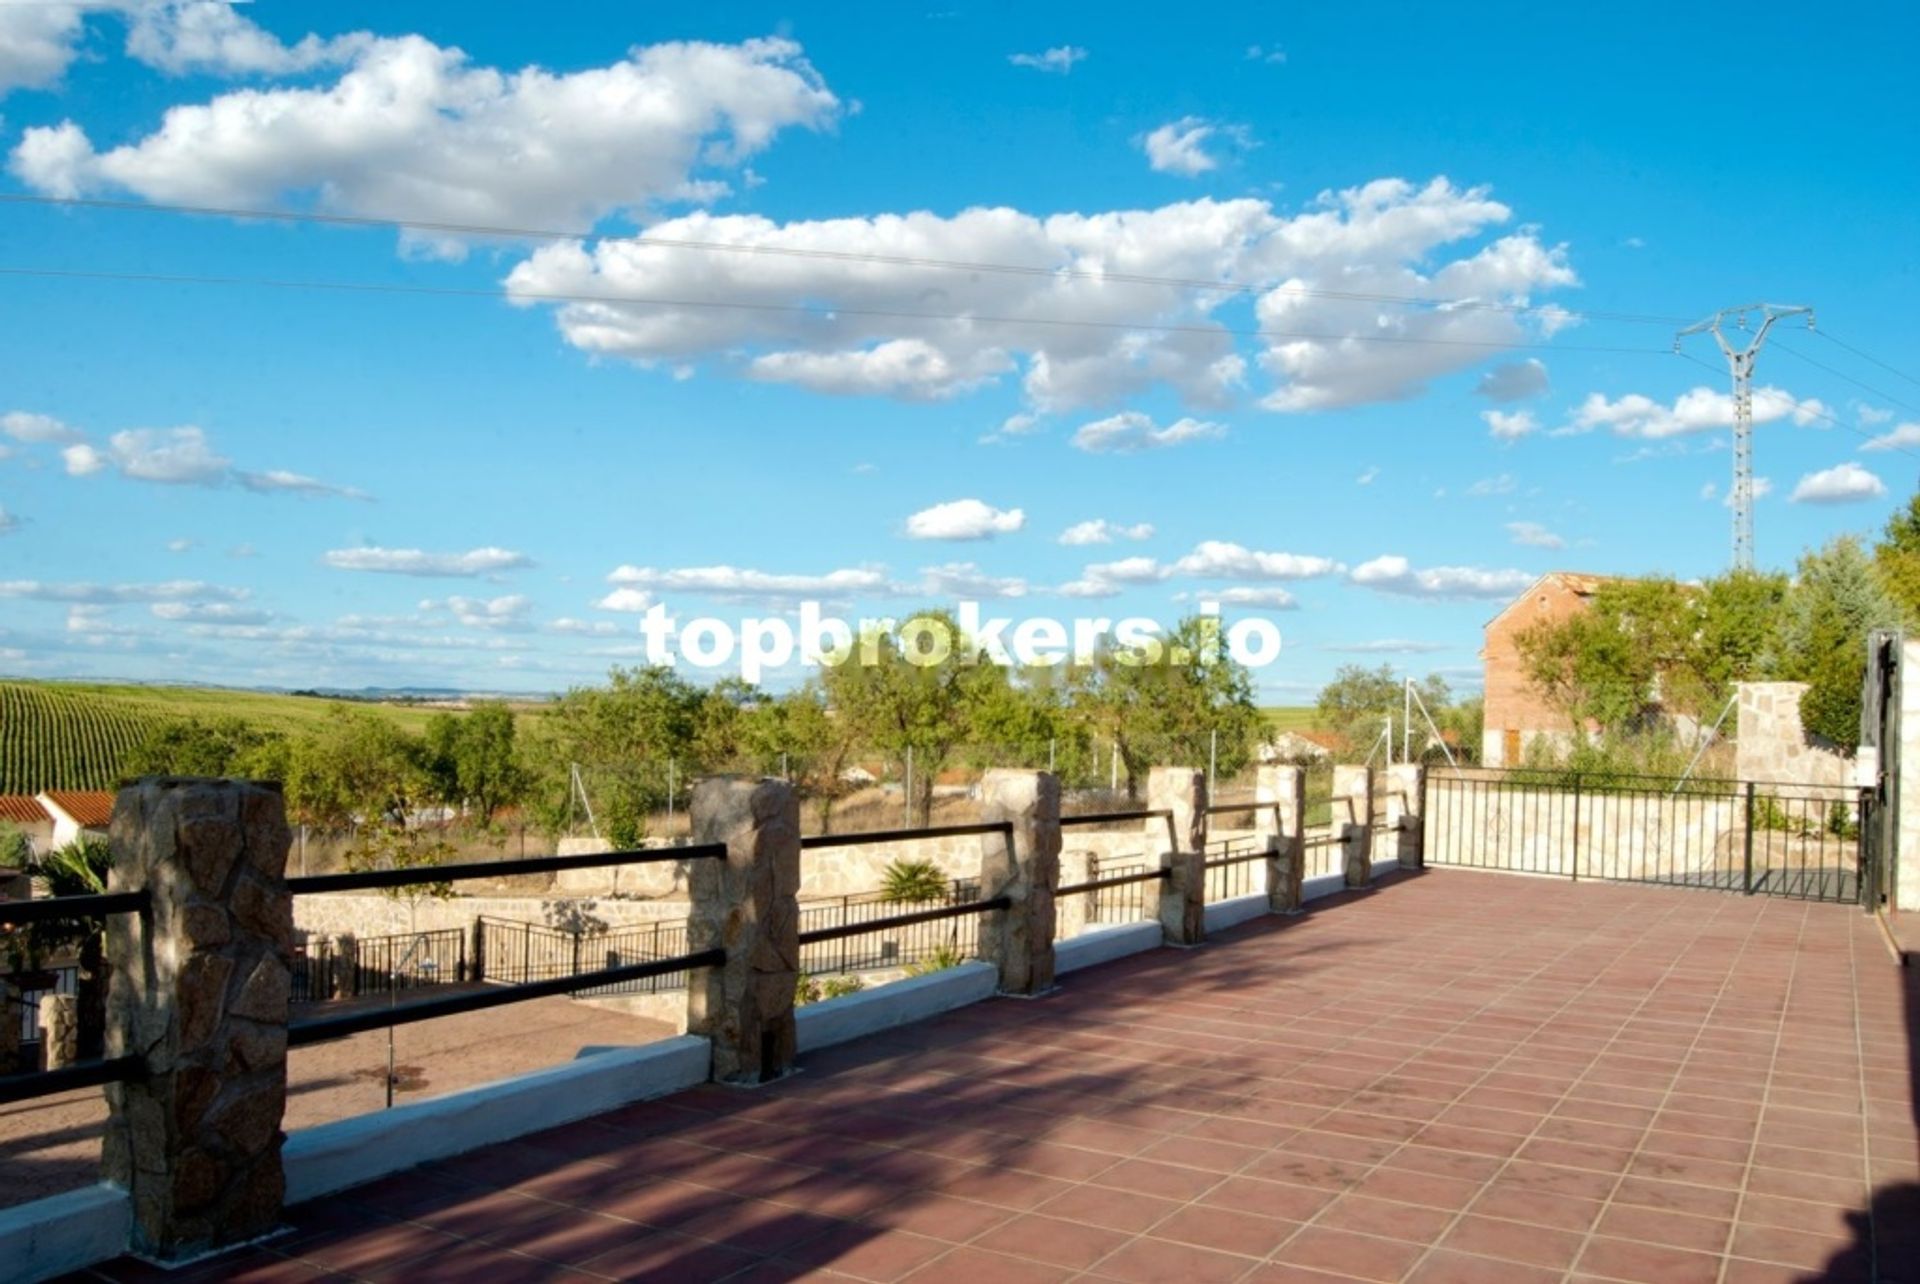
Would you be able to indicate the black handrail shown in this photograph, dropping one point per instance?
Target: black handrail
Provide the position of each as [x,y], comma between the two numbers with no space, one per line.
[364,880]
[1217,809]
[1108,817]
[302,1033]
[1118,880]
[906,835]
[904,920]
[85,1074]
[1244,858]
[89,906]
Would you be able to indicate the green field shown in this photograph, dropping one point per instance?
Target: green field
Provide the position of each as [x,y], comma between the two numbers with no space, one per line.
[1289,717]
[74,735]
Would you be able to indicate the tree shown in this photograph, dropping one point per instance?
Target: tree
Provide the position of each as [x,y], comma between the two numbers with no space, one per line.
[797,733]
[1837,599]
[899,693]
[389,847]
[357,768]
[203,747]
[473,760]
[1897,558]
[621,736]
[1168,701]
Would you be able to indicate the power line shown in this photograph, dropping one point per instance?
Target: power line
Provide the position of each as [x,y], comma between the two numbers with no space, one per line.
[1841,374]
[835,256]
[820,312]
[1868,356]
[1809,410]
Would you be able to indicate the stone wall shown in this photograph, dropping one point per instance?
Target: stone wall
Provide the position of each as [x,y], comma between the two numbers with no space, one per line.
[1771,745]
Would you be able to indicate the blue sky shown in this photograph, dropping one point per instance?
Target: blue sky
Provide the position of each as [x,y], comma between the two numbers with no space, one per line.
[449,482]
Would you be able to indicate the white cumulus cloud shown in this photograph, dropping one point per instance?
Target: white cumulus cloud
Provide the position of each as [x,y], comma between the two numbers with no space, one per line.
[1218,559]
[1534,535]
[739,584]
[414,130]
[1699,409]
[506,612]
[1394,574]
[848,305]
[1261,599]
[1059,59]
[1099,530]
[25,426]
[1514,380]
[1902,436]
[964,519]
[186,457]
[965,580]
[1132,430]
[1509,426]
[1842,484]
[1180,147]
[413,561]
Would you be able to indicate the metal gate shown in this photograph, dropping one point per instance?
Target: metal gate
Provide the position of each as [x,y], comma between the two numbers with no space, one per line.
[1804,842]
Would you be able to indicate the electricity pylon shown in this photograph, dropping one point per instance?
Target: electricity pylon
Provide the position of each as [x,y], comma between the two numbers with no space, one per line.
[1740,364]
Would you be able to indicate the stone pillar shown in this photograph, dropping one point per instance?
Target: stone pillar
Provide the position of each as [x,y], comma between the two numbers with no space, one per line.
[1353,821]
[1019,940]
[1183,895]
[1404,819]
[746,904]
[1074,914]
[59,1031]
[1279,825]
[199,987]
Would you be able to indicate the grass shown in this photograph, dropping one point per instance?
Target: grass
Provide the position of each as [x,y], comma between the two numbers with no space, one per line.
[1289,717]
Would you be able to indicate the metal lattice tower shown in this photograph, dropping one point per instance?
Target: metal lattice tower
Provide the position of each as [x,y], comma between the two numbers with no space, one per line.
[1740,365]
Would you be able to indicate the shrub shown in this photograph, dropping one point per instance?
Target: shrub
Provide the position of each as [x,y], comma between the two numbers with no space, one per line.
[913,882]
[939,961]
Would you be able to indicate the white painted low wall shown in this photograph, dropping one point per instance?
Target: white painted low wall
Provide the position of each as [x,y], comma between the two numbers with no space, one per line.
[831,1021]
[1104,945]
[1222,915]
[61,1233]
[1312,889]
[334,1156]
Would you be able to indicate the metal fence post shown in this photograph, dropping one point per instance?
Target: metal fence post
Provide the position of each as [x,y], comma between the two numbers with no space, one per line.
[1575,861]
[1747,875]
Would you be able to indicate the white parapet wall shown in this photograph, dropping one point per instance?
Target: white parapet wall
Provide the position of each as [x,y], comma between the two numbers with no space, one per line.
[351,1152]
[831,1021]
[1104,945]
[1222,915]
[62,1233]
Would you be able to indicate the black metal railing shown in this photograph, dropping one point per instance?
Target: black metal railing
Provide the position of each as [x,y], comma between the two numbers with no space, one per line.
[1118,889]
[510,952]
[81,910]
[880,946]
[1802,842]
[320,1029]
[349,967]
[814,841]
[1235,867]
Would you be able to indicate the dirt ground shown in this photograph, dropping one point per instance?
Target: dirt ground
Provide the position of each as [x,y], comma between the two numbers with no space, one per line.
[53,1144]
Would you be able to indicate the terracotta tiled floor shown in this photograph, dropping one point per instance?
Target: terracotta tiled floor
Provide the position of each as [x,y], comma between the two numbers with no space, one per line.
[1459,1077]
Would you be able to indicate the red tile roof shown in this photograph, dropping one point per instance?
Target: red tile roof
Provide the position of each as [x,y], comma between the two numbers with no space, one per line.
[92,808]
[22,809]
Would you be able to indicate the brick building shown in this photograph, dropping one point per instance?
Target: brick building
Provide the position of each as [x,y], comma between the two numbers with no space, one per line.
[1515,713]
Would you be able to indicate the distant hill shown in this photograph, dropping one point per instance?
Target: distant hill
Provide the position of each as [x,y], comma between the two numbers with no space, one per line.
[74,735]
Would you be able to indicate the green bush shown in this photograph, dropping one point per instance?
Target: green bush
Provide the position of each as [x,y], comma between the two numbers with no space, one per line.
[913,882]
[939,961]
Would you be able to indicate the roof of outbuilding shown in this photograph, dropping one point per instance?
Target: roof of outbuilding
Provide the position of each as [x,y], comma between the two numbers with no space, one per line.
[22,809]
[91,808]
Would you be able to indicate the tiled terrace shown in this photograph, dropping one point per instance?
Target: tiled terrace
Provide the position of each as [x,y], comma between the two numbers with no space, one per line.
[1458,1077]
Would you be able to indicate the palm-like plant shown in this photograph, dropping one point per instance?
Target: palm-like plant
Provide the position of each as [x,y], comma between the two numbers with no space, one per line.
[78,869]
[913,882]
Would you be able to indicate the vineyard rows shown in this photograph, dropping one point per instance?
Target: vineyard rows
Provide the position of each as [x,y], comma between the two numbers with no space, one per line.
[52,739]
